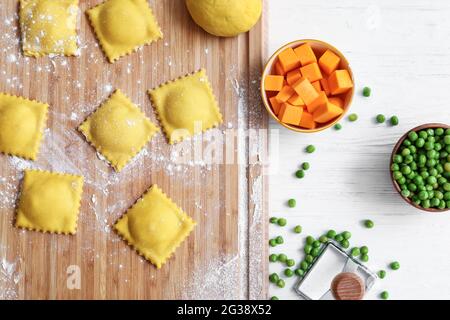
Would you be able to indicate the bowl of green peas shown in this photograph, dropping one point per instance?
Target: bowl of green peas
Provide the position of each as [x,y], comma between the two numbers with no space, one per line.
[420,167]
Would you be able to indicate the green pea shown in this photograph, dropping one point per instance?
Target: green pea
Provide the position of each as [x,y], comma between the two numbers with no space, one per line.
[272,243]
[309,258]
[380,118]
[345,243]
[423,134]
[274,278]
[384,295]
[281,222]
[298,229]
[366,92]
[369,224]
[353,117]
[304,265]
[292,203]
[337,126]
[279,240]
[323,239]
[273,220]
[299,272]
[355,252]
[315,252]
[364,257]
[439,131]
[273,258]
[290,262]
[394,120]
[288,272]
[305,165]
[300,174]
[331,234]
[310,149]
[420,142]
[339,237]
[310,240]
[364,250]
[280,283]
[307,249]
[316,244]
[282,257]
[413,136]
[406,193]
[381,274]
[347,235]
[274,298]
[395,265]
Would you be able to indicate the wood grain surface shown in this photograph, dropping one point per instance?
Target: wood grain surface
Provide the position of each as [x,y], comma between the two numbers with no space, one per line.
[36,264]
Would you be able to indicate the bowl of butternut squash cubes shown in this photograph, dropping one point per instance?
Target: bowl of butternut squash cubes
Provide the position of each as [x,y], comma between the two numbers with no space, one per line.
[307,85]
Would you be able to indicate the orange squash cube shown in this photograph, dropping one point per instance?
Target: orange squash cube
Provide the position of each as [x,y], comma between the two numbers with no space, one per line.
[311,72]
[336,101]
[327,113]
[295,100]
[317,86]
[273,83]
[325,87]
[289,60]
[307,121]
[329,62]
[275,105]
[321,100]
[305,90]
[340,82]
[293,76]
[279,69]
[306,54]
[290,114]
[284,94]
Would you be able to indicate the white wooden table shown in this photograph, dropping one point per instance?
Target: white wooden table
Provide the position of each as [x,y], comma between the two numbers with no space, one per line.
[401,49]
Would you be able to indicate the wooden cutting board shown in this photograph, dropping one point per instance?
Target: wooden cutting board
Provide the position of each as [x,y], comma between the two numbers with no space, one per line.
[225,256]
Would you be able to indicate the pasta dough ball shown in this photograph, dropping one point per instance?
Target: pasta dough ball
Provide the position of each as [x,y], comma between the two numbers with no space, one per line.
[225,18]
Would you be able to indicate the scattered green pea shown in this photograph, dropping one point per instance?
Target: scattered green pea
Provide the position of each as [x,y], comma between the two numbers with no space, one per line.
[366,91]
[310,149]
[331,234]
[315,252]
[300,174]
[395,265]
[369,224]
[299,272]
[279,240]
[273,220]
[274,298]
[280,283]
[272,243]
[316,244]
[304,265]
[323,239]
[381,274]
[290,262]
[364,250]
[355,252]
[338,237]
[307,249]
[310,240]
[337,126]
[292,203]
[288,272]
[281,222]
[274,278]
[282,257]
[347,235]
[380,118]
[273,257]
[384,295]
[305,165]
[345,244]
[309,258]
[364,257]
[298,229]
[353,117]
[394,120]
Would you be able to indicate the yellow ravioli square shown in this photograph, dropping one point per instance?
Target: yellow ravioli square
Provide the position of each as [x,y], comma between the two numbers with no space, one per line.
[155,226]
[186,106]
[122,26]
[22,122]
[118,130]
[49,27]
[49,202]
